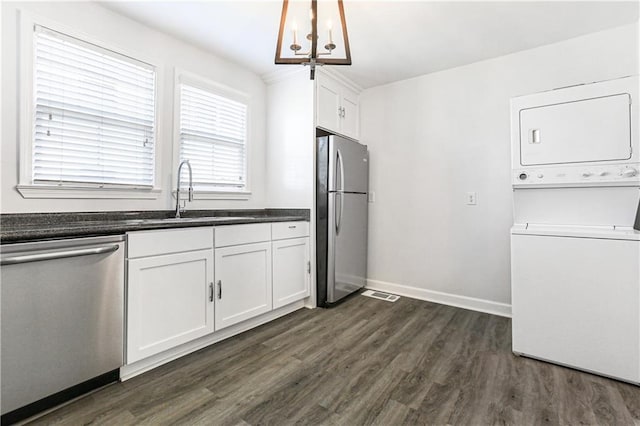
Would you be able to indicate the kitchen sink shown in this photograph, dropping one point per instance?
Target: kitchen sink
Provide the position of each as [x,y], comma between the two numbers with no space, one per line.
[168,220]
[195,219]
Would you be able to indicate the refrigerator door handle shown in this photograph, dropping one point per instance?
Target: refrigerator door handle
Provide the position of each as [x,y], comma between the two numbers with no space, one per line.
[340,170]
[340,174]
[338,214]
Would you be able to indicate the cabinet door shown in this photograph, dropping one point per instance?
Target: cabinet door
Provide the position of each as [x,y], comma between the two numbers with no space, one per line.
[290,271]
[351,114]
[328,103]
[169,301]
[243,283]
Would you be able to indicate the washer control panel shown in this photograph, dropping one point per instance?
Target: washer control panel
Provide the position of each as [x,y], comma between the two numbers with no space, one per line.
[577,175]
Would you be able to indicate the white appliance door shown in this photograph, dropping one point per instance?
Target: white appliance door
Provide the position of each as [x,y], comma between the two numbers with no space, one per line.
[347,246]
[348,165]
[597,129]
[576,301]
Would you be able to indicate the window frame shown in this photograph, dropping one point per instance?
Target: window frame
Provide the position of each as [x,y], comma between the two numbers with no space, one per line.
[195,80]
[26,111]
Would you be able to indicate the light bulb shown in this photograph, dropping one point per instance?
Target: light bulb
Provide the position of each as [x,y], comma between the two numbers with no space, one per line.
[294,27]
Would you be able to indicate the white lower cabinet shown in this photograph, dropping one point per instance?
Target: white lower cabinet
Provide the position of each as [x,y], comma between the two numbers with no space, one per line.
[243,283]
[291,271]
[169,301]
[180,288]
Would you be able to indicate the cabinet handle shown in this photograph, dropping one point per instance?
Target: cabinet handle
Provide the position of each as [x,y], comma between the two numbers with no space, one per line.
[308,267]
[339,111]
[344,112]
[211,291]
[219,289]
[292,227]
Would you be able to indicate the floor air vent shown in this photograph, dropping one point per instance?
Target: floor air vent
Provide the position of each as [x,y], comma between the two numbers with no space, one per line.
[380,295]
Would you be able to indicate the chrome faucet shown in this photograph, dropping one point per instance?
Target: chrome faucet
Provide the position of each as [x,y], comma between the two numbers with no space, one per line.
[178,187]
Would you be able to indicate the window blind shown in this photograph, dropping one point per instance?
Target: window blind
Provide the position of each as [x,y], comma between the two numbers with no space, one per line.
[213,136]
[94,114]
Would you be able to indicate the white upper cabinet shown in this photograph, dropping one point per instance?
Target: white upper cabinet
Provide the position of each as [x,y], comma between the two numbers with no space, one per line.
[329,108]
[350,113]
[337,107]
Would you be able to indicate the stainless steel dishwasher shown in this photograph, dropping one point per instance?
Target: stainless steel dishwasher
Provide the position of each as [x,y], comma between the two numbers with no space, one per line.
[62,321]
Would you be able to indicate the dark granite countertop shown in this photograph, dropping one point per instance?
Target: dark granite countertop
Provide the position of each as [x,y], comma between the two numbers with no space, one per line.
[23,227]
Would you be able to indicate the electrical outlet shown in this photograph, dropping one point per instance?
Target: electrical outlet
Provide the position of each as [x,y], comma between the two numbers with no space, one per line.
[472,198]
[371,197]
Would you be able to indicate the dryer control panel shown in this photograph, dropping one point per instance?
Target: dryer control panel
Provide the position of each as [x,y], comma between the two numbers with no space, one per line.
[577,175]
[582,135]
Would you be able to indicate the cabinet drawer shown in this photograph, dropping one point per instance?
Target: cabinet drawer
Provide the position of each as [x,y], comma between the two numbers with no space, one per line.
[242,234]
[167,241]
[283,230]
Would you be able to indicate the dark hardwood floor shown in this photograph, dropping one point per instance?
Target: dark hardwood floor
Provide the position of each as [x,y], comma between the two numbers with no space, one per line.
[364,362]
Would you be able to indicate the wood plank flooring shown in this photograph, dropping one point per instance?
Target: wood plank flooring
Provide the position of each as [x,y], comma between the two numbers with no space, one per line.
[364,362]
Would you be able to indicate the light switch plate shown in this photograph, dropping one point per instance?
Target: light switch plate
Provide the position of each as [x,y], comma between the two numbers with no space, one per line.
[371,197]
[472,198]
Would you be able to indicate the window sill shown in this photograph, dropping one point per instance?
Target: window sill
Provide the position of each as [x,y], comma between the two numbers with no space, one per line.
[216,195]
[53,191]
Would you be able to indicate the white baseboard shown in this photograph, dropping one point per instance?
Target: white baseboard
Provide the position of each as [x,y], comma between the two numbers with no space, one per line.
[472,303]
[131,370]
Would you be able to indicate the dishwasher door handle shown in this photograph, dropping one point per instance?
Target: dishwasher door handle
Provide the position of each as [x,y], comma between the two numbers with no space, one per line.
[13,260]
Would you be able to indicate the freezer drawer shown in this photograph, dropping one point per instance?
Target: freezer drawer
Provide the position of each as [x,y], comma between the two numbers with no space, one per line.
[347,245]
[576,302]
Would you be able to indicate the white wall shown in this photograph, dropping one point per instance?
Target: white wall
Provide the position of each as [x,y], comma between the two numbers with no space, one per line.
[290,132]
[436,137]
[166,52]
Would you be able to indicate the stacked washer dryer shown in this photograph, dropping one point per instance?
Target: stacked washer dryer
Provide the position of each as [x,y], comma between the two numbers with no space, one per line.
[575,255]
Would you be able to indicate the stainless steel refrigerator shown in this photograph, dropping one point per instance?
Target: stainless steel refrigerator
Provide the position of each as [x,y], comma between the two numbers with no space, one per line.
[341,218]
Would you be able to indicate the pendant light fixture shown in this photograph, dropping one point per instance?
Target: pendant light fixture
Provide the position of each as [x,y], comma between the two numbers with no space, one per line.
[315,47]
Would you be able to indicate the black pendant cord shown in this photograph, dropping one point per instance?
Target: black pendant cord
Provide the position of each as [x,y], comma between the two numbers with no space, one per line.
[314,37]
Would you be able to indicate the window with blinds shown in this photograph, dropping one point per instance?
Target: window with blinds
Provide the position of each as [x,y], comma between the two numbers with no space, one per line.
[94,114]
[213,137]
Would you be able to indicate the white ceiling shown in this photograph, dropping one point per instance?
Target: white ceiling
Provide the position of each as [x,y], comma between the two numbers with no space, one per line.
[390,40]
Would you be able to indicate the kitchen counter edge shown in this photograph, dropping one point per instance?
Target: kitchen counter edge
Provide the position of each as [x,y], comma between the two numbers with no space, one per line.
[29,227]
